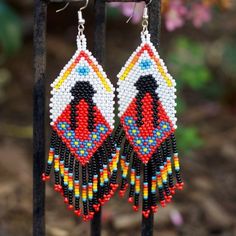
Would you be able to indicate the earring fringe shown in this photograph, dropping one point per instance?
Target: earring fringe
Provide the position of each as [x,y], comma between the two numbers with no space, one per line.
[98,177]
[149,160]
[154,180]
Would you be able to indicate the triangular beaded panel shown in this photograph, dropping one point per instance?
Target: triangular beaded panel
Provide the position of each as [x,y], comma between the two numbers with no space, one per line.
[82,95]
[146,101]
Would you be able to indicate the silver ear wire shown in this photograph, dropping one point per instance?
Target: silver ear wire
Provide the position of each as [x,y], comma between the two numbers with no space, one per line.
[83,7]
[147,4]
[67,4]
[145,18]
[145,12]
[128,20]
[63,8]
[81,41]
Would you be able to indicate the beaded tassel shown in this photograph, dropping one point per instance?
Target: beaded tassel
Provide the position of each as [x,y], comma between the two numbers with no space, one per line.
[77,189]
[98,177]
[82,120]
[70,182]
[124,170]
[66,176]
[146,95]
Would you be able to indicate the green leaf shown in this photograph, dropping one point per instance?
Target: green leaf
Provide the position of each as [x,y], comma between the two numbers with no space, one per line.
[181,105]
[113,12]
[187,62]
[188,138]
[10,30]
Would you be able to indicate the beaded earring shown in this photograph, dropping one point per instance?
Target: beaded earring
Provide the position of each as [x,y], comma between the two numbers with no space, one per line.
[82,120]
[146,93]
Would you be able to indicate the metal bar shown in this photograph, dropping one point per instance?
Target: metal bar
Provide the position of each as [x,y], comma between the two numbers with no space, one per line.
[98,52]
[147,225]
[95,225]
[154,11]
[99,30]
[38,118]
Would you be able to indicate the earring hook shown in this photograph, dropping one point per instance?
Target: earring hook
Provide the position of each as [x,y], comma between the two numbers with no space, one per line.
[147,4]
[83,7]
[128,20]
[63,8]
[135,4]
[67,4]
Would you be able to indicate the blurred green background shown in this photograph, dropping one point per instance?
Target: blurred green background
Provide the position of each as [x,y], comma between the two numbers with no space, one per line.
[201,56]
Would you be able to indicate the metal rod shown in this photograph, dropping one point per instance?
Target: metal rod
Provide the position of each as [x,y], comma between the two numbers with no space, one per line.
[154,12]
[147,225]
[96,224]
[98,52]
[99,30]
[38,118]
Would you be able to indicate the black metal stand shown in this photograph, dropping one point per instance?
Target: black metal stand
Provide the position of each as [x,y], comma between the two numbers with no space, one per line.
[38,118]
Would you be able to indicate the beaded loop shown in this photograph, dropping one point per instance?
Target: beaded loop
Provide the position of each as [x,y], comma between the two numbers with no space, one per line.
[81,41]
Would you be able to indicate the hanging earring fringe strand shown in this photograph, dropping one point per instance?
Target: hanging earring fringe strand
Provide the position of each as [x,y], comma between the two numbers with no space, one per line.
[82,150]
[146,93]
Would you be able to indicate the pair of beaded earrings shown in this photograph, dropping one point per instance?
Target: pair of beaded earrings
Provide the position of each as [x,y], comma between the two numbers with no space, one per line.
[85,147]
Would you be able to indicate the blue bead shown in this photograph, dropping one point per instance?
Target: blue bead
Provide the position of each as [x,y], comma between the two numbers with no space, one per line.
[83,70]
[145,64]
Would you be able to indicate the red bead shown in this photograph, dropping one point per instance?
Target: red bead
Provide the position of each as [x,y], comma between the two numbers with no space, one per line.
[163,203]
[121,193]
[57,187]
[146,213]
[85,217]
[77,212]
[180,186]
[114,186]
[130,200]
[135,208]
[154,208]
[102,201]
[112,192]
[43,177]
[96,207]
[168,200]
[107,197]
[91,215]
[172,190]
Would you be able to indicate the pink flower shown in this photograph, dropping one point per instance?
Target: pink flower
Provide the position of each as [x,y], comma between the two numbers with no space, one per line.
[176,218]
[128,10]
[199,14]
[175,16]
